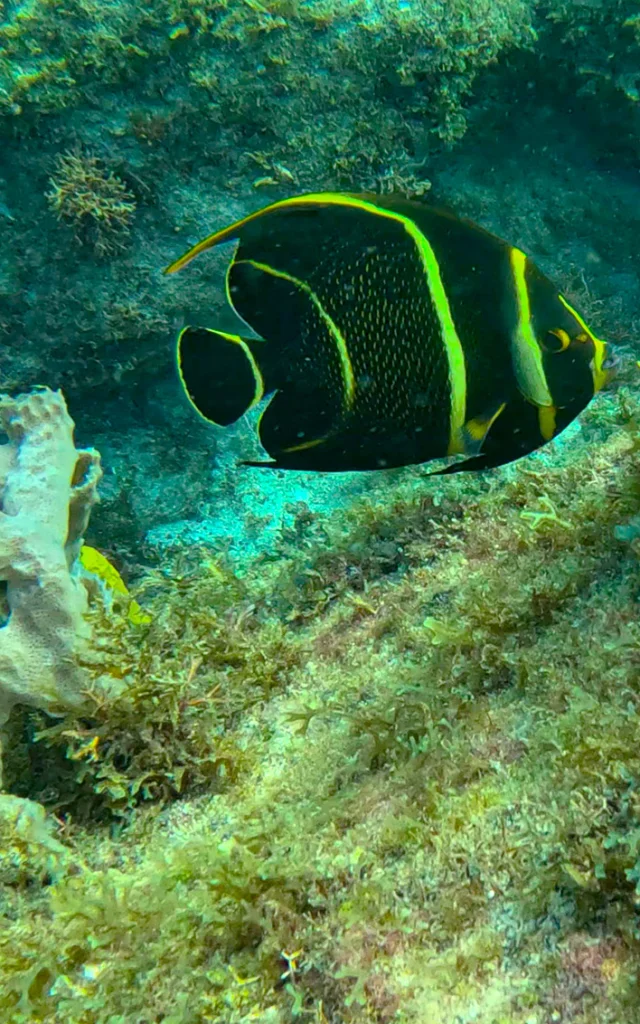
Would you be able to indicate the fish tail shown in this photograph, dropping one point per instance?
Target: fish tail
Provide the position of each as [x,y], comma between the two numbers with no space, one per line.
[219,373]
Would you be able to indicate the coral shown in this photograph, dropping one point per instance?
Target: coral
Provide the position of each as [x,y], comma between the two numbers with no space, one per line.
[93,199]
[47,489]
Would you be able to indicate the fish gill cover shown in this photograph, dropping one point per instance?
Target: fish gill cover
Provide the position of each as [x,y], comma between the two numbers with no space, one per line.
[328,747]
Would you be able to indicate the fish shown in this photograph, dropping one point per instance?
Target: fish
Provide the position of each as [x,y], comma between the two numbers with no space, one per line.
[382,331]
[99,566]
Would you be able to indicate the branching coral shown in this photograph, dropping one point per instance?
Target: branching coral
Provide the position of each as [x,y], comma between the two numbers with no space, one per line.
[47,489]
[93,199]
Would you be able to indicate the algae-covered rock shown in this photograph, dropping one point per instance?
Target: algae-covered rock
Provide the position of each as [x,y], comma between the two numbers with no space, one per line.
[29,850]
[391,775]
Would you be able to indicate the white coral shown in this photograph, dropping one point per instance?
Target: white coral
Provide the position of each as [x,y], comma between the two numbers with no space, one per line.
[47,489]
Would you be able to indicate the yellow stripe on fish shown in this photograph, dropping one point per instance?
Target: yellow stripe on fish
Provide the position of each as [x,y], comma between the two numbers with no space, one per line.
[335,332]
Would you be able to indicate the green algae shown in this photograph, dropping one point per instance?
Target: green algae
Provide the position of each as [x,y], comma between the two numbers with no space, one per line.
[55,55]
[421,55]
[93,199]
[432,811]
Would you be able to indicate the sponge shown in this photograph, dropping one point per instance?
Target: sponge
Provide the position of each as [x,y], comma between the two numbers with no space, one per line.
[47,490]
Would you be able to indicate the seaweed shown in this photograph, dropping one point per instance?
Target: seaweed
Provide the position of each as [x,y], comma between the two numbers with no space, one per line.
[93,199]
[412,800]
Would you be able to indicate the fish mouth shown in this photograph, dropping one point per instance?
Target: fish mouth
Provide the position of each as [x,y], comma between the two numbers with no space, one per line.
[605,365]
[620,368]
[611,363]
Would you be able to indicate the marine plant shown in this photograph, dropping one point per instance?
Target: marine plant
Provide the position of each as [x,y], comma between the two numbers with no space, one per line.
[167,695]
[93,199]
[429,809]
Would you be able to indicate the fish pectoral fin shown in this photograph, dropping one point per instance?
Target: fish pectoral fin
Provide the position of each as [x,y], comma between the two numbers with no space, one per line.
[219,373]
[292,450]
[475,430]
[305,445]
[547,421]
[472,437]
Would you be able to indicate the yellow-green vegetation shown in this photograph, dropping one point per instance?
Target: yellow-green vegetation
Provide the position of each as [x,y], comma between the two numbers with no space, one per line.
[589,34]
[298,70]
[391,776]
[278,63]
[93,199]
[169,696]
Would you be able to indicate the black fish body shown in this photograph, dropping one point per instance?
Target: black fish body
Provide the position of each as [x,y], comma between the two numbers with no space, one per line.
[390,333]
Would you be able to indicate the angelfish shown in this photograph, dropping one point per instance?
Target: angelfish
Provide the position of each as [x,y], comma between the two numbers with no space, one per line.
[385,332]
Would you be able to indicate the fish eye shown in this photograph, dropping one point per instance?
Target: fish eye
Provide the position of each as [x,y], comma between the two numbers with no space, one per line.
[556,340]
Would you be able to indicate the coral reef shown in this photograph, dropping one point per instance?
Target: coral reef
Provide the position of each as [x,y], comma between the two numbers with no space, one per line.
[194,113]
[47,489]
[51,55]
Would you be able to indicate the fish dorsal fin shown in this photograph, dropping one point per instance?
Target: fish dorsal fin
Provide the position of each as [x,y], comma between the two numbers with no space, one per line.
[233,231]
[398,204]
